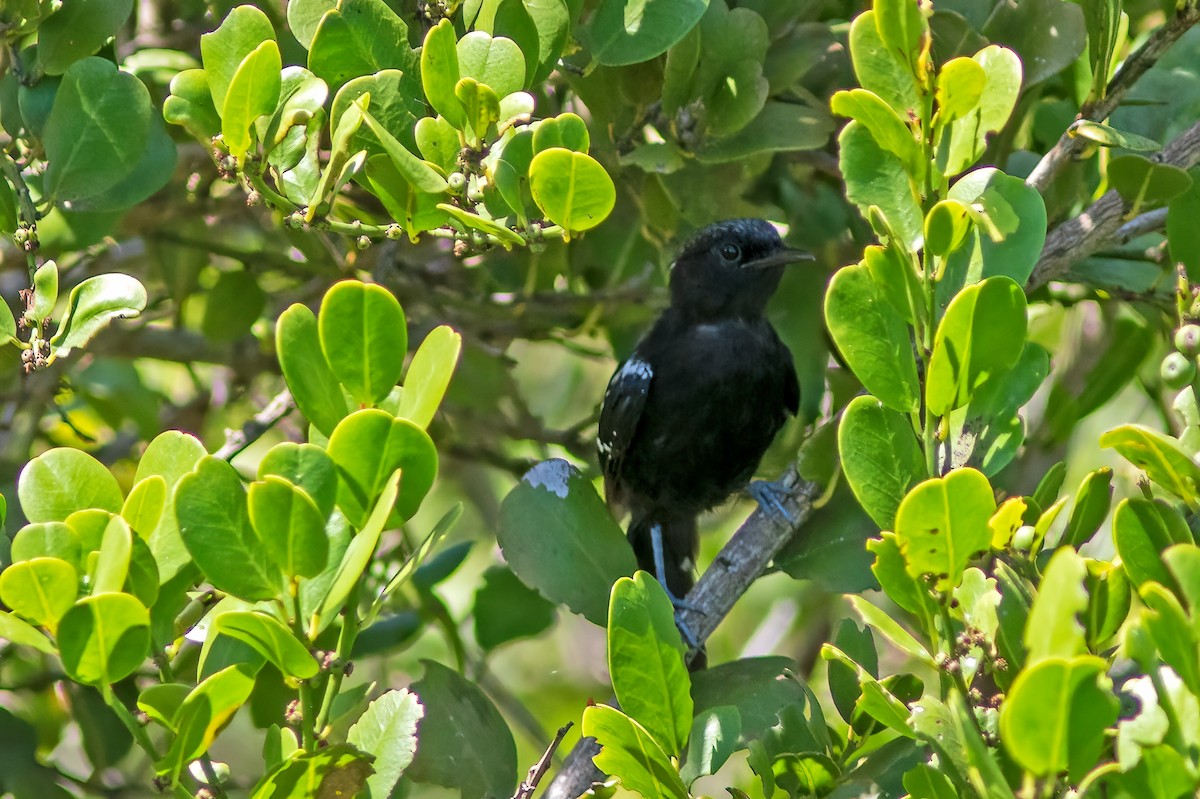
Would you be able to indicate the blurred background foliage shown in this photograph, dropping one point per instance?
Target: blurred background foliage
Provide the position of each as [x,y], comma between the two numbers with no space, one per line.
[543,327]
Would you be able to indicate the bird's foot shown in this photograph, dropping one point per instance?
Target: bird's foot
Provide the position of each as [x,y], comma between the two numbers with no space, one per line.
[769,497]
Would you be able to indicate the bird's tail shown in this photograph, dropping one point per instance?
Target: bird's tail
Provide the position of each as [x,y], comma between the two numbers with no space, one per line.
[680,543]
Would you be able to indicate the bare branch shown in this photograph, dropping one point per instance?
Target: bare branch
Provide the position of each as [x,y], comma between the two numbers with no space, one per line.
[1135,66]
[1098,227]
[739,563]
[237,440]
[525,789]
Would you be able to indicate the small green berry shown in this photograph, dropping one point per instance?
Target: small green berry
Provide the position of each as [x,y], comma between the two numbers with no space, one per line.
[1177,370]
[1023,538]
[1187,340]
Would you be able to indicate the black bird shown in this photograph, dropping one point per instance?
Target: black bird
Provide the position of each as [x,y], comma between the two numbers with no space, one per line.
[688,416]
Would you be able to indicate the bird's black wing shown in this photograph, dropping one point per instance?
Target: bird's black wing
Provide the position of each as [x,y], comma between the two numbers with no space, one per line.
[624,401]
[791,385]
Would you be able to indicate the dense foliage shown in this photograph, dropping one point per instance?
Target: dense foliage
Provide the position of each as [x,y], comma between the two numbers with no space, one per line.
[257,545]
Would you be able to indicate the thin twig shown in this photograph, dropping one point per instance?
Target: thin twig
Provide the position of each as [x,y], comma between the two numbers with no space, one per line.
[538,770]
[1135,66]
[237,440]
[1098,226]
[1141,225]
[739,563]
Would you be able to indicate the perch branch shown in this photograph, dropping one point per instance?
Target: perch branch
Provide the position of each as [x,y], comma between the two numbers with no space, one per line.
[538,770]
[237,440]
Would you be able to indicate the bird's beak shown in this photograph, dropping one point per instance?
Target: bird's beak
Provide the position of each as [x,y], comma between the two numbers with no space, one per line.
[783,257]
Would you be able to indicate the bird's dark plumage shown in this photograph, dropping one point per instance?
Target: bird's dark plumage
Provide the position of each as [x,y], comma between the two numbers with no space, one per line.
[688,415]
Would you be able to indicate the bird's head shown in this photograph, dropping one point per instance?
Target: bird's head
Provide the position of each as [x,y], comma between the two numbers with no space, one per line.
[730,269]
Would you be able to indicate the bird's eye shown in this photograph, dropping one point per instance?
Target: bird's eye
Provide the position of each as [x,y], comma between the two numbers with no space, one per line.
[730,252]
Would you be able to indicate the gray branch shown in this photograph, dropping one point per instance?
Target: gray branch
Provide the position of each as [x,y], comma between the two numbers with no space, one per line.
[739,563]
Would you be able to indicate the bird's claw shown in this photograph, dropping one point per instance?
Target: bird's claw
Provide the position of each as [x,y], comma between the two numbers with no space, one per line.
[768,496]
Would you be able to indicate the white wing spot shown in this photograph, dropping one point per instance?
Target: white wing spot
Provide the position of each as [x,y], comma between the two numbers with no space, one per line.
[553,475]
[635,367]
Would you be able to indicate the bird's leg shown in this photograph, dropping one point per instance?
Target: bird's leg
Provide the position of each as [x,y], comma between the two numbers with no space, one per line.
[769,497]
[660,570]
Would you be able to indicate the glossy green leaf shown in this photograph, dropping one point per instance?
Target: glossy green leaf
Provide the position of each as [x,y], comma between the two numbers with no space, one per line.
[367,447]
[1143,182]
[880,457]
[112,565]
[628,33]
[77,30]
[63,480]
[387,730]
[1158,455]
[45,540]
[1142,531]
[1172,633]
[969,132]
[713,739]
[891,571]
[885,125]
[41,589]
[1110,596]
[1048,35]
[758,687]
[420,174]
[875,177]
[190,105]
[505,609]
[359,37]
[628,750]
[14,630]
[291,526]
[1010,209]
[8,226]
[872,337]
[414,210]
[1092,502]
[143,508]
[1183,561]
[335,770]
[946,225]
[104,638]
[428,375]
[894,274]
[1108,136]
[496,62]
[779,127]
[1054,717]
[943,523]
[271,639]
[481,764]
[223,50]
[305,466]
[559,538]
[210,507]
[253,92]
[879,68]
[645,660]
[45,292]
[440,73]
[568,131]
[1053,629]
[396,102]
[206,710]
[1183,237]
[93,304]
[982,334]
[364,338]
[171,455]
[309,376]
[572,189]
[303,17]
[472,221]
[960,85]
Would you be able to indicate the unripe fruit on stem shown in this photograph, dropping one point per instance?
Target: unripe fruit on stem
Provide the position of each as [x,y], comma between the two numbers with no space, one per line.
[1177,370]
[457,181]
[1023,538]
[1187,340]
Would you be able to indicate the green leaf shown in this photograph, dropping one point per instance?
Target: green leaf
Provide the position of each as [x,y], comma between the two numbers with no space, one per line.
[1054,717]
[1183,561]
[170,455]
[875,177]
[631,753]
[97,131]
[1103,21]
[496,62]
[291,526]
[357,555]
[1008,208]
[305,466]
[414,210]
[190,105]
[438,142]
[1049,35]
[946,225]
[779,127]
[103,638]
[143,508]
[440,73]
[63,480]
[8,226]
[559,538]
[270,638]
[1158,455]
[879,68]
[885,125]
[481,764]
[629,33]
[364,338]
[387,729]
[713,739]
[18,632]
[367,446]
[903,28]
[880,457]
[968,133]
[40,589]
[77,30]
[428,375]
[1110,597]
[572,189]
[223,50]
[359,37]
[981,335]
[1172,633]
[93,304]
[233,304]
[472,221]
[45,540]
[334,771]
[1108,136]
[112,565]
[925,782]
[960,85]
[308,374]
[806,774]
[758,687]
[891,571]
[645,660]
[396,102]
[303,17]
[737,99]
[1145,183]
[568,131]
[1183,237]
[204,713]
[1053,629]
[1142,531]
[210,507]
[890,629]
[420,174]
[1092,502]
[45,292]
[872,338]
[943,523]
[253,92]
[505,609]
